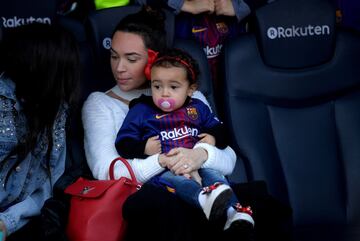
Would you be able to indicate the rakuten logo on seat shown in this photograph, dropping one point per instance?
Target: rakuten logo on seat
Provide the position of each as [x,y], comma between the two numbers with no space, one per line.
[296,32]
[16,22]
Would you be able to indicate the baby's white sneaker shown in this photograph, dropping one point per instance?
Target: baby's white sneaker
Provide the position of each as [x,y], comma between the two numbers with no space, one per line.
[214,199]
[239,216]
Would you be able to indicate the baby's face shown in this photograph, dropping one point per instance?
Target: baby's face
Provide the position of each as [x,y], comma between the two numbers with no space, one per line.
[170,87]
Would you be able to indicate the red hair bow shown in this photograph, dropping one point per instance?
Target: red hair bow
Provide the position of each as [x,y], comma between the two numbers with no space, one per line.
[152,55]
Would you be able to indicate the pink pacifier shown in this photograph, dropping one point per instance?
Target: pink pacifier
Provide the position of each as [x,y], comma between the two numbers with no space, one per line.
[166,103]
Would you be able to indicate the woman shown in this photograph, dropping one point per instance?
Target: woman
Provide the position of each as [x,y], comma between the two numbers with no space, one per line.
[103,114]
[40,73]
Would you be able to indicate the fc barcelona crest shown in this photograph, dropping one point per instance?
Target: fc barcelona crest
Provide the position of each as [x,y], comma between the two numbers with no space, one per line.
[222,27]
[192,112]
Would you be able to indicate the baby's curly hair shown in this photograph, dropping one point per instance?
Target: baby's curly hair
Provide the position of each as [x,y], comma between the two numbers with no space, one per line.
[174,57]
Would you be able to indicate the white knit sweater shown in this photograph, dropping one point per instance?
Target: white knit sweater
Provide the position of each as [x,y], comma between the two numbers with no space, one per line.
[102,118]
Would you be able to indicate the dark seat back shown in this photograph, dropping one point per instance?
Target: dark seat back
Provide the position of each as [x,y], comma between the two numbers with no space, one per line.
[292,94]
[204,81]
[19,12]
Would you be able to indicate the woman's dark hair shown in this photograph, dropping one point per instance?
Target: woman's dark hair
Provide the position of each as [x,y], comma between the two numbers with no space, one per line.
[43,62]
[149,24]
[174,57]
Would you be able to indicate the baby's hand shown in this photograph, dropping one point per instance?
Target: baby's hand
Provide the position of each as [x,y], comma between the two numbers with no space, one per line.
[152,146]
[207,138]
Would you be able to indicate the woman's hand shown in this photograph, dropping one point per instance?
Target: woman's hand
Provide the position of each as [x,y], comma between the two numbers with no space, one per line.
[198,6]
[163,160]
[183,161]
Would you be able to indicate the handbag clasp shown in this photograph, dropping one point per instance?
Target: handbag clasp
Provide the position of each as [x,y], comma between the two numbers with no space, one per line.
[85,190]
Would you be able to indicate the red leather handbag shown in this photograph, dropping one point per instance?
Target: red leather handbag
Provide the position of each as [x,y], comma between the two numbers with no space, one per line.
[96,206]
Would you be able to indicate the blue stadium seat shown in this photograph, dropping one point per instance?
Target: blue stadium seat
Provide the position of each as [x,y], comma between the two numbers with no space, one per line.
[204,81]
[18,12]
[292,99]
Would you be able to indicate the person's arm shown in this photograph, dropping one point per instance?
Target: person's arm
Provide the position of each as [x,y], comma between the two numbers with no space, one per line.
[210,124]
[102,117]
[198,6]
[17,215]
[128,141]
[243,8]
[184,161]
[221,160]
[218,133]
[130,148]
[177,6]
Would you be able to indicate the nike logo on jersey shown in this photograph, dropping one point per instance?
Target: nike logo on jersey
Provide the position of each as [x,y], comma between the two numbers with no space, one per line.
[198,30]
[157,116]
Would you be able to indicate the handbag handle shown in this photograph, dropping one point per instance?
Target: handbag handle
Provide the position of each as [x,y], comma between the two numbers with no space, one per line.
[123,160]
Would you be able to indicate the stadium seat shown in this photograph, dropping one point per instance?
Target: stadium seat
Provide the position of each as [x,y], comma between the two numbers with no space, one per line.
[292,99]
[204,81]
[18,12]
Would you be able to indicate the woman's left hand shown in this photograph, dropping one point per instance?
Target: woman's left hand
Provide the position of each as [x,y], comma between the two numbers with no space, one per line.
[184,161]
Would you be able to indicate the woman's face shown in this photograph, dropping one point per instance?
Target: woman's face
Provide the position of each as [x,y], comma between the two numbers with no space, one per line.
[128,60]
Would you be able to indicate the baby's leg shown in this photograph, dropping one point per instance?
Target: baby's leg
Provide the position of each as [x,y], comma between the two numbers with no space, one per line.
[239,218]
[216,194]
[186,188]
[211,176]
[195,176]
